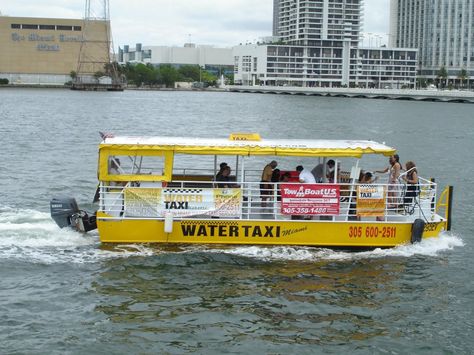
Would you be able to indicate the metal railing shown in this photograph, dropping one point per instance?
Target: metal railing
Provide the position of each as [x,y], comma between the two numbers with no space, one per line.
[399,202]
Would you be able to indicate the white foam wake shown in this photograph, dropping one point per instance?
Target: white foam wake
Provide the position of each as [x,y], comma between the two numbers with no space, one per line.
[32,236]
[428,247]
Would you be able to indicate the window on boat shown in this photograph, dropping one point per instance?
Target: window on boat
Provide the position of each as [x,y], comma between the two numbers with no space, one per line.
[136,165]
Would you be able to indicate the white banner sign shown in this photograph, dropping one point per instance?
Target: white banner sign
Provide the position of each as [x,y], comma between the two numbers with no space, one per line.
[182,202]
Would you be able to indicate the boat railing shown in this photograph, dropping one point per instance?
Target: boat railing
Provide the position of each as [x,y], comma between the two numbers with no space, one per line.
[254,201]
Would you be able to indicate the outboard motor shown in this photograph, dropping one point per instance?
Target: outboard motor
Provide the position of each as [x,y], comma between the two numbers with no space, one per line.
[66,213]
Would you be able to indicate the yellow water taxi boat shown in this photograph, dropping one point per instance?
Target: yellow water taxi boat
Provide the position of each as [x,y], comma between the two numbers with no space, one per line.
[164,190]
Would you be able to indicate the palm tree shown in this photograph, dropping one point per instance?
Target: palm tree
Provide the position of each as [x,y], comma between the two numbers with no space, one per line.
[462,76]
[442,75]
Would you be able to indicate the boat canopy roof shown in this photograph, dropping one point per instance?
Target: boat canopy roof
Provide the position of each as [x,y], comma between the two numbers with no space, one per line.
[224,146]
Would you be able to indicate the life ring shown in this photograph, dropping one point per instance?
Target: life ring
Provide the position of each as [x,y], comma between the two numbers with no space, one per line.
[417,231]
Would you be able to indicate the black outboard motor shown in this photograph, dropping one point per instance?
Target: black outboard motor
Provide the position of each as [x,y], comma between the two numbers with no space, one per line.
[66,213]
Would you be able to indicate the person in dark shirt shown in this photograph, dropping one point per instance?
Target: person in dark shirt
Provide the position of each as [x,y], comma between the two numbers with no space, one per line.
[224,178]
[222,166]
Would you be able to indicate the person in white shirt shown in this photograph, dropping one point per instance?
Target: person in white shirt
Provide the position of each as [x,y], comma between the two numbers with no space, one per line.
[305,175]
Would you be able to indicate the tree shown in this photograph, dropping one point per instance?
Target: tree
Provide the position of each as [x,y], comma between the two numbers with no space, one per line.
[73,75]
[442,76]
[168,75]
[98,74]
[144,75]
[421,82]
[208,79]
[189,73]
[229,79]
[462,76]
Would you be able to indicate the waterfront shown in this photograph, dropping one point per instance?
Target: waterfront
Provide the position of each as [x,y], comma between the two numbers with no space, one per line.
[64,292]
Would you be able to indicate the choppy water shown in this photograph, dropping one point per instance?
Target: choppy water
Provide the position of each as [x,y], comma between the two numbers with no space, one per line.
[62,292]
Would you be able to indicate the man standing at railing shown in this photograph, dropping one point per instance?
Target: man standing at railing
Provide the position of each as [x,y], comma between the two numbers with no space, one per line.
[265,184]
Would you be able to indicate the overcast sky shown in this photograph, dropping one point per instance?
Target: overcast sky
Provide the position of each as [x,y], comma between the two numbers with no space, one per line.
[173,22]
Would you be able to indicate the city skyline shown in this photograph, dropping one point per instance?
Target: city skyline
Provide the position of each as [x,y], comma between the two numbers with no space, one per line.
[174,22]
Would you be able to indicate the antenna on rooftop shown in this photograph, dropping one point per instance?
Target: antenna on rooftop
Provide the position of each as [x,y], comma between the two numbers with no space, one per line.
[96,54]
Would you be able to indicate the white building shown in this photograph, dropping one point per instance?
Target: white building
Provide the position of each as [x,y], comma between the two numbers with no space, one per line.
[321,50]
[302,22]
[325,66]
[190,54]
[442,30]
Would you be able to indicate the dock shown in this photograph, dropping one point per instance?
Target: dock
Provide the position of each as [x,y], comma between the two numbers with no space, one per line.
[387,94]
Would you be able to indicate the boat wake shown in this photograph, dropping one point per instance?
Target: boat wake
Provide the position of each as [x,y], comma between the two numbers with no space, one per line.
[429,247]
[32,236]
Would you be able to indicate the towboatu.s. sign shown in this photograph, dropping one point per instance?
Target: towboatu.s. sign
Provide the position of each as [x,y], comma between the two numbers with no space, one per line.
[310,199]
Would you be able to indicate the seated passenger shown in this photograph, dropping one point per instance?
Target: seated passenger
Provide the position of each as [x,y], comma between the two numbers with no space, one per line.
[275,175]
[283,179]
[367,178]
[222,167]
[224,181]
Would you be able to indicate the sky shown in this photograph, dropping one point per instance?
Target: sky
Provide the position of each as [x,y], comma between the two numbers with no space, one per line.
[222,23]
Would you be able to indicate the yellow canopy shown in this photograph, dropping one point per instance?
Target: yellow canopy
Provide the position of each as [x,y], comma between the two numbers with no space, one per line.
[274,147]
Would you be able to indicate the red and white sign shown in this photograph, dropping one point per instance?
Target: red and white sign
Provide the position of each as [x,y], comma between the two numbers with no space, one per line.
[310,199]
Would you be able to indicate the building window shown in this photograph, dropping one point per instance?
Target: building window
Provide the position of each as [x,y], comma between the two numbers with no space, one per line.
[29,27]
[15,25]
[47,27]
[63,28]
[77,28]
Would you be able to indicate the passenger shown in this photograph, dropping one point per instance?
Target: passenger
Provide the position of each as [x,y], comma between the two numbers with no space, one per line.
[318,170]
[305,175]
[224,178]
[221,166]
[331,172]
[394,173]
[368,178]
[265,184]
[411,178]
[284,178]
[275,175]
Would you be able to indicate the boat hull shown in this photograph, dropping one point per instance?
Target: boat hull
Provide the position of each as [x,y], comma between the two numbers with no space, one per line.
[262,232]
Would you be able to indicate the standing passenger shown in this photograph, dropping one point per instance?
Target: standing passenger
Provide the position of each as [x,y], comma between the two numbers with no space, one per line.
[411,179]
[394,173]
[318,170]
[265,185]
[305,175]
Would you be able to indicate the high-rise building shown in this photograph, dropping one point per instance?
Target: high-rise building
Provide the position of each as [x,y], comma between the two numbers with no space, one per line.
[319,47]
[301,22]
[442,30]
[276,10]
